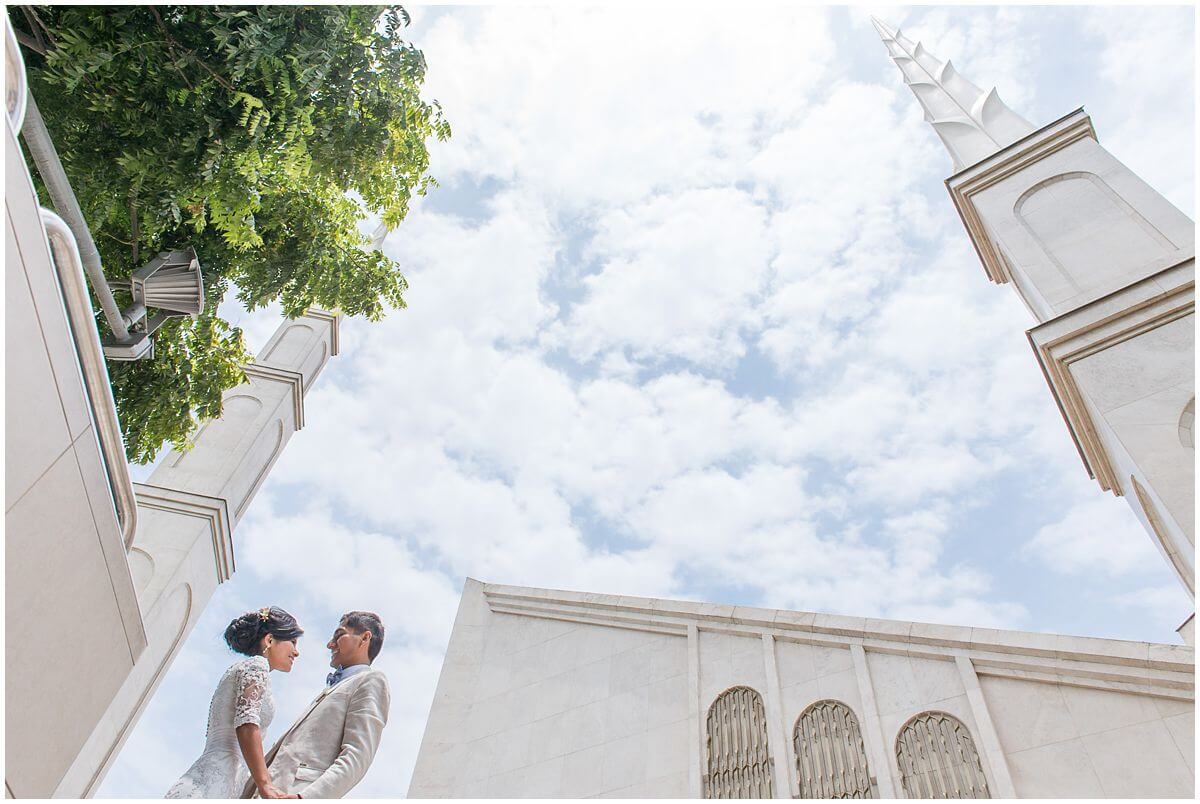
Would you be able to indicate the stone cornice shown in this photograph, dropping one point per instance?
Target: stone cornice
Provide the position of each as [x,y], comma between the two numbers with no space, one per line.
[1137,308]
[1016,157]
[214,510]
[334,320]
[294,379]
[1157,669]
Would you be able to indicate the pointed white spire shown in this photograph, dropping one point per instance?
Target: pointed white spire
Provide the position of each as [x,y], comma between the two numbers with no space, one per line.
[378,236]
[973,124]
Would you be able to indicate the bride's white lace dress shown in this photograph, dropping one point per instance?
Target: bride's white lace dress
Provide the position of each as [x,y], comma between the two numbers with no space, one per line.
[243,696]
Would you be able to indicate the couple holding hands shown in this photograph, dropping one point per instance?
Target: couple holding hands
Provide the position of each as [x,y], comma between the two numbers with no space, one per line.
[327,750]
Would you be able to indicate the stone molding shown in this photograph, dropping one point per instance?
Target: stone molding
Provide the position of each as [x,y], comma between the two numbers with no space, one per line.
[1158,530]
[214,510]
[695,731]
[293,379]
[1160,670]
[989,739]
[334,321]
[877,755]
[785,764]
[1004,163]
[1094,327]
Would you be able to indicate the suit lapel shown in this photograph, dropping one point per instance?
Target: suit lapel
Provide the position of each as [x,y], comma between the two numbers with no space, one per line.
[270,757]
[324,694]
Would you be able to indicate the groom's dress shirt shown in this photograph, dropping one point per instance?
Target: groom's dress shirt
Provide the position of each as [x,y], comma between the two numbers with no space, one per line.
[343,673]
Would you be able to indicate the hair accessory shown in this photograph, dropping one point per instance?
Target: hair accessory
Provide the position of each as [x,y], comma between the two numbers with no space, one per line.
[265,613]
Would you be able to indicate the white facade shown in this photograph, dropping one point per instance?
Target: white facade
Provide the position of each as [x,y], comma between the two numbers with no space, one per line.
[65,556]
[565,694]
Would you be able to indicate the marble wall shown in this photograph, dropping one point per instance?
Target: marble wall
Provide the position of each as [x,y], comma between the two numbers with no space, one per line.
[530,707]
[547,693]
[65,559]
[1062,741]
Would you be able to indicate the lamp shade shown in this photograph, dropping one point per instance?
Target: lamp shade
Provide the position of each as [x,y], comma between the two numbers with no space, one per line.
[173,282]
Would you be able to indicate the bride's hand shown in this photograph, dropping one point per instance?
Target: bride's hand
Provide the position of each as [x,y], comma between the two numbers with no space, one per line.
[271,791]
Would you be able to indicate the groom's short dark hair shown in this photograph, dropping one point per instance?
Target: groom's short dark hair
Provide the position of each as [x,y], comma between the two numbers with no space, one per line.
[366,621]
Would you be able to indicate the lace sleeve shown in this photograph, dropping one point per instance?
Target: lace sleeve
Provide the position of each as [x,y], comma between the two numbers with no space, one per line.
[250,687]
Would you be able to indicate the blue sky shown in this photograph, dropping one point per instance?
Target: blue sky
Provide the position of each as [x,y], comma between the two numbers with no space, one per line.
[692,316]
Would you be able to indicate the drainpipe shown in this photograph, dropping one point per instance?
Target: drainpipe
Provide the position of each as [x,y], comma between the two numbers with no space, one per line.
[41,148]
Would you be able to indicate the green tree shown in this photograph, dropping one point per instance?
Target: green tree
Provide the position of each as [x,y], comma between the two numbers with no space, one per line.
[256,135]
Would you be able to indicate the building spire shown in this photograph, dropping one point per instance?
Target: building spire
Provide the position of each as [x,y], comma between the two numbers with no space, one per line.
[972,124]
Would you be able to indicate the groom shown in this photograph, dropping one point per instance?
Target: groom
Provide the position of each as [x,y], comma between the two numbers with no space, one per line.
[328,750]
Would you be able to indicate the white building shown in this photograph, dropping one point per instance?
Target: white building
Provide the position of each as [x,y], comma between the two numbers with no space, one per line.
[104,578]
[1107,268]
[566,694]
[547,693]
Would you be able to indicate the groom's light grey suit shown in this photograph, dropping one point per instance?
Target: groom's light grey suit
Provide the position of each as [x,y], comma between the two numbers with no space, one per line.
[329,748]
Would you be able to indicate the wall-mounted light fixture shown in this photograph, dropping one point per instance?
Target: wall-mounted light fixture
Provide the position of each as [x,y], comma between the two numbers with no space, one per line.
[173,285]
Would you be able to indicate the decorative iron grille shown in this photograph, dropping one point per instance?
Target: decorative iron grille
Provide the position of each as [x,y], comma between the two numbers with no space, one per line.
[831,759]
[938,759]
[739,762]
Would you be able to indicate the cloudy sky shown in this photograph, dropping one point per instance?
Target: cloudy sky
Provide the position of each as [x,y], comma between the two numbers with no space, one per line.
[692,316]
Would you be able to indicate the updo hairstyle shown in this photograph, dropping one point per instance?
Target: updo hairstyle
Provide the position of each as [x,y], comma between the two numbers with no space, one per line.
[246,632]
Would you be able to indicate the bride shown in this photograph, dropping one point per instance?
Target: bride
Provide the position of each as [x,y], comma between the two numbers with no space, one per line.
[242,708]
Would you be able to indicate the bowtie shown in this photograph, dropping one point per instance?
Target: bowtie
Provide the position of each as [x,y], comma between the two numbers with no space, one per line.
[335,677]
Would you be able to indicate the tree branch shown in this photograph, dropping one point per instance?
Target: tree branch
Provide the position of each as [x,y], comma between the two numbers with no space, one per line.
[37,26]
[171,42]
[29,42]
[170,46]
[133,226]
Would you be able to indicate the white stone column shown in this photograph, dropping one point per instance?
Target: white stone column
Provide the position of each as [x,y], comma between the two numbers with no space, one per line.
[989,740]
[878,752]
[233,454]
[188,509]
[696,768]
[782,750]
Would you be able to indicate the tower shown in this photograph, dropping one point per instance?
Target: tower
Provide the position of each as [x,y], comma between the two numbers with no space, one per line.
[1105,265]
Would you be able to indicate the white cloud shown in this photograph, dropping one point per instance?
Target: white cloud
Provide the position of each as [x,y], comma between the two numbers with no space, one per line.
[1168,604]
[590,106]
[1147,61]
[308,552]
[487,278]
[680,276]
[1097,535]
[992,47]
[257,326]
